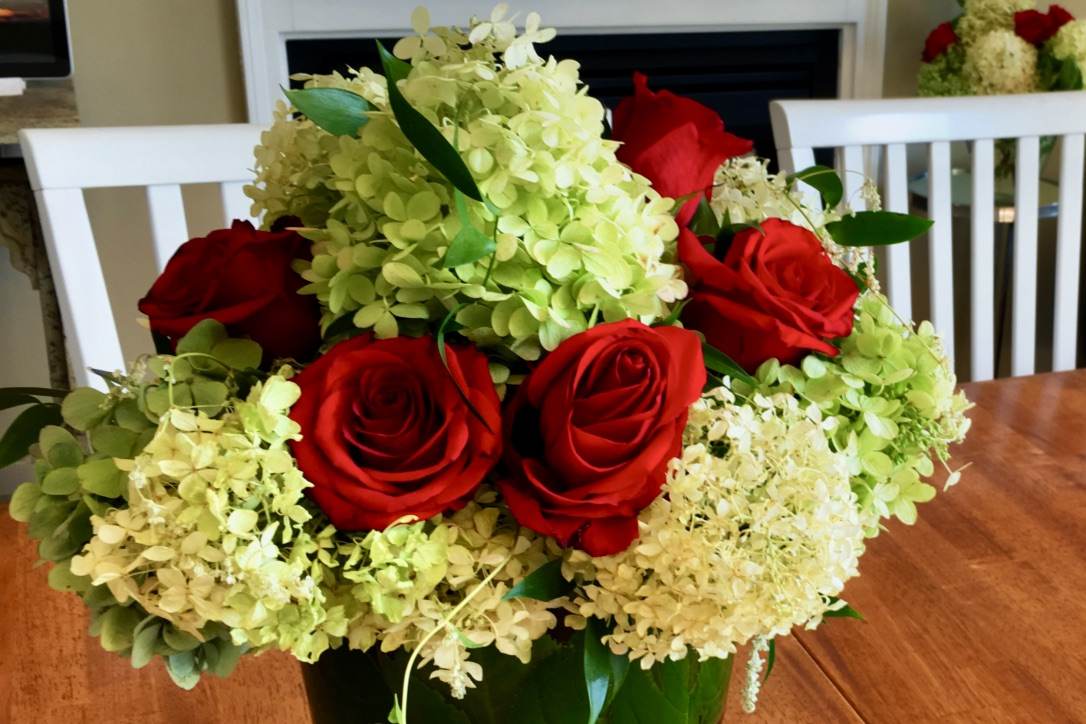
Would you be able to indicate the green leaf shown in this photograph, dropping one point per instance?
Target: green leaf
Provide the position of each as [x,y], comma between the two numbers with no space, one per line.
[543,584]
[182,669]
[117,627]
[844,612]
[102,477]
[824,180]
[877,228]
[238,354]
[69,537]
[673,318]
[722,364]
[62,481]
[23,501]
[114,441]
[84,408]
[771,658]
[61,578]
[143,646]
[597,668]
[704,222]
[228,657]
[15,399]
[24,429]
[59,447]
[470,244]
[422,134]
[202,338]
[336,110]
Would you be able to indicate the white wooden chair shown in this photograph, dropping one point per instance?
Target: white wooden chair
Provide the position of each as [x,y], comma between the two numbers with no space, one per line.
[62,163]
[889,125]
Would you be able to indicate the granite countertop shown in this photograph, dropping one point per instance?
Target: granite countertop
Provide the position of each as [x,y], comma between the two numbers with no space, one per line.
[45,104]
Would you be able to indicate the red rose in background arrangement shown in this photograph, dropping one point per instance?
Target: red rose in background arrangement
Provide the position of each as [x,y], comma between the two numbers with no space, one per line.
[674,142]
[1036,27]
[775,294]
[939,41]
[243,278]
[386,432]
[591,430]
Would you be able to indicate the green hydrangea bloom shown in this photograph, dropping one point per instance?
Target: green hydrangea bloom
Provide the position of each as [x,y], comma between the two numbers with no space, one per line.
[889,402]
[944,76]
[580,238]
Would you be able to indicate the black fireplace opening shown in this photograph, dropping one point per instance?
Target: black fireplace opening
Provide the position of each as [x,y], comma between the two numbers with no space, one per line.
[736,73]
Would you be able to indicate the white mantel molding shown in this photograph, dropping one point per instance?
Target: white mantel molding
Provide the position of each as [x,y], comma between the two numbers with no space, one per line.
[266,25]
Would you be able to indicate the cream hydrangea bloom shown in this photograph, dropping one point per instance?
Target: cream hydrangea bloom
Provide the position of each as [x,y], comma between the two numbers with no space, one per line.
[757,528]
[1001,62]
[1070,42]
[580,237]
[983,16]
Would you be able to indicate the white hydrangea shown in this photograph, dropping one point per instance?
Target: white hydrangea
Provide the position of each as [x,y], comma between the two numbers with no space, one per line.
[1000,62]
[983,16]
[756,530]
[1070,42]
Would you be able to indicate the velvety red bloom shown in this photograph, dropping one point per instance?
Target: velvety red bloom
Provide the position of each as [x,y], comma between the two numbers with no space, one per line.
[939,41]
[1036,27]
[775,294]
[674,142]
[386,431]
[243,278]
[591,430]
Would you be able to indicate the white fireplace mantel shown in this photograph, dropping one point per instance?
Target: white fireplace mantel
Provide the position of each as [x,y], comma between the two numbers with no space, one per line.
[266,25]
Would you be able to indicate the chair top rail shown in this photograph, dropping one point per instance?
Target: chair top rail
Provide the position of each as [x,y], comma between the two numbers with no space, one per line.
[139,156]
[871,122]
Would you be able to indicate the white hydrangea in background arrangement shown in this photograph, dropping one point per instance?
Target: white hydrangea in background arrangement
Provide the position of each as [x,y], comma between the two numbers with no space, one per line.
[501,409]
[1001,47]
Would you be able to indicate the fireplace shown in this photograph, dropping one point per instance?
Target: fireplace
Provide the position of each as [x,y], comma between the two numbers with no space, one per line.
[733,55]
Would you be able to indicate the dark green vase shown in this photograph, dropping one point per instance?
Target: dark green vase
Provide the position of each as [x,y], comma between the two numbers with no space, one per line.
[352,687]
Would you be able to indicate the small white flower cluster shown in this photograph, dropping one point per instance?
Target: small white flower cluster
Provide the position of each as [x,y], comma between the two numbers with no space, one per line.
[756,529]
[1000,62]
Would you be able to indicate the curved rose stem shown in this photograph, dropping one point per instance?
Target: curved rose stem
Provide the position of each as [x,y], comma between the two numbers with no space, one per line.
[444,623]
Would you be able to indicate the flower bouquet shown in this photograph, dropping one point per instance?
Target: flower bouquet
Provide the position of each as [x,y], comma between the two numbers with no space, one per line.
[1004,46]
[504,414]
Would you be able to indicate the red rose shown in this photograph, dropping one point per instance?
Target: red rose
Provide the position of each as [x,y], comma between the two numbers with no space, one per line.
[775,294]
[939,41]
[591,430]
[1036,27]
[243,278]
[386,431]
[674,142]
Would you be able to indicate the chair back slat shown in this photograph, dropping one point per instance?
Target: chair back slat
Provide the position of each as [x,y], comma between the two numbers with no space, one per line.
[852,175]
[235,204]
[1068,253]
[1027,197]
[898,271]
[982,305]
[802,127]
[941,267]
[81,288]
[169,229]
[159,158]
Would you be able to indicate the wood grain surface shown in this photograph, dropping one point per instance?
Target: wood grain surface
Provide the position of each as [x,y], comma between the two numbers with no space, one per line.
[976,614]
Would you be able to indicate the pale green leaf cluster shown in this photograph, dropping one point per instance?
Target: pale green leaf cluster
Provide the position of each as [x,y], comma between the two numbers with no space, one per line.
[756,529]
[890,405]
[943,76]
[579,237]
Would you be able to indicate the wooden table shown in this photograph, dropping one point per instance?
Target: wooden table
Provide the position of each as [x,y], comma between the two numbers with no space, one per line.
[977,614]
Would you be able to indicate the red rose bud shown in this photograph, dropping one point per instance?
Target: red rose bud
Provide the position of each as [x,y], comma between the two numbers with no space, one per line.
[775,295]
[591,430]
[939,41]
[242,278]
[674,142]
[386,432]
[1036,27]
